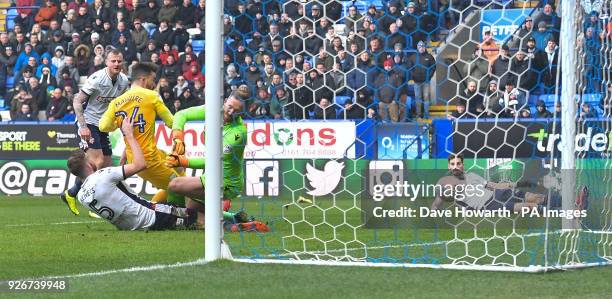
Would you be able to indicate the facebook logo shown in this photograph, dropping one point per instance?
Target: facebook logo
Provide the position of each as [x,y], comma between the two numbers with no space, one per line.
[262,178]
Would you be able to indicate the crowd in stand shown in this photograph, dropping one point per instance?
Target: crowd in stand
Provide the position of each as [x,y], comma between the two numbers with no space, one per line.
[284,58]
[500,80]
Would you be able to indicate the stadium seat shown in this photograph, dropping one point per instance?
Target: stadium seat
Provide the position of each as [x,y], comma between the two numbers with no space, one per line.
[341,100]
[10,82]
[70,117]
[11,14]
[2,104]
[198,45]
[591,98]
[549,99]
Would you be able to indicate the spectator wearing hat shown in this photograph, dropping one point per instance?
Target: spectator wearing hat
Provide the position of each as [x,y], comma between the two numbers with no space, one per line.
[393,13]
[22,59]
[351,19]
[541,111]
[68,23]
[37,91]
[491,100]
[549,17]
[167,51]
[410,19]
[74,43]
[56,41]
[45,61]
[501,65]
[519,39]
[252,75]
[148,15]
[140,36]
[478,69]
[187,98]
[65,79]
[194,74]
[8,59]
[47,79]
[106,35]
[541,35]
[68,74]
[127,47]
[58,57]
[513,100]
[315,12]
[95,41]
[46,14]
[460,111]
[422,67]
[151,48]
[83,59]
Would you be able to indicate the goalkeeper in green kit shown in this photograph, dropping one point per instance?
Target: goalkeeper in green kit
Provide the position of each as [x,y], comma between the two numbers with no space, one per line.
[234,140]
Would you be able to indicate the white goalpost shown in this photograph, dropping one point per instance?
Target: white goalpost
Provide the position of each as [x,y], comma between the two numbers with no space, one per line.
[214,126]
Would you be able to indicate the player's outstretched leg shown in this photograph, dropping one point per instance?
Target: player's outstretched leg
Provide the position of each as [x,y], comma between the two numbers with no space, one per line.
[69,197]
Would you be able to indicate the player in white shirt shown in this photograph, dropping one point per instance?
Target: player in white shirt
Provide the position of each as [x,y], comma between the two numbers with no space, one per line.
[100,88]
[105,193]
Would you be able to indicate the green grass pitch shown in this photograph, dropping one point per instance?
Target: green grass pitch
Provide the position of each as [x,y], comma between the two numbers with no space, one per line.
[41,238]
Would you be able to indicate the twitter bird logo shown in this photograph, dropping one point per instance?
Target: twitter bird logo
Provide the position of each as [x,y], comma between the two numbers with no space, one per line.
[324,181]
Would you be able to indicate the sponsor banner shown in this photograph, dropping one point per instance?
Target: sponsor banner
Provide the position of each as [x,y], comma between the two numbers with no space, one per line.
[51,177]
[402,141]
[262,177]
[40,141]
[527,139]
[300,140]
[502,22]
[268,140]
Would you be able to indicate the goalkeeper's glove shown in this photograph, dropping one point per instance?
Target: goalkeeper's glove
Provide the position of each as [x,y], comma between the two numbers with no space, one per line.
[176,161]
[178,145]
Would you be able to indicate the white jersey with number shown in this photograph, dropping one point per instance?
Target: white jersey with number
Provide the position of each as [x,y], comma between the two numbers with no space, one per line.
[105,194]
[477,201]
[101,91]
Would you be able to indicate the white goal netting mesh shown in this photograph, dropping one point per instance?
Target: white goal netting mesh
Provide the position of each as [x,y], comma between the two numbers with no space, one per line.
[345,95]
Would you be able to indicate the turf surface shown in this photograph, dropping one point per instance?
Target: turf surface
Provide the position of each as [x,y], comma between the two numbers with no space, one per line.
[40,238]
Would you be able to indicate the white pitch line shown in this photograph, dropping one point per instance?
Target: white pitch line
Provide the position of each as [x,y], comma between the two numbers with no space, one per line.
[55,223]
[125,270]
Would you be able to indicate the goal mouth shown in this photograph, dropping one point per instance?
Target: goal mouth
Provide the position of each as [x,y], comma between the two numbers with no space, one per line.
[360,110]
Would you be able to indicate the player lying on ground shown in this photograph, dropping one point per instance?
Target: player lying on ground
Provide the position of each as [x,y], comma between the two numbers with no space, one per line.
[496,195]
[234,139]
[104,192]
[99,89]
[143,105]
